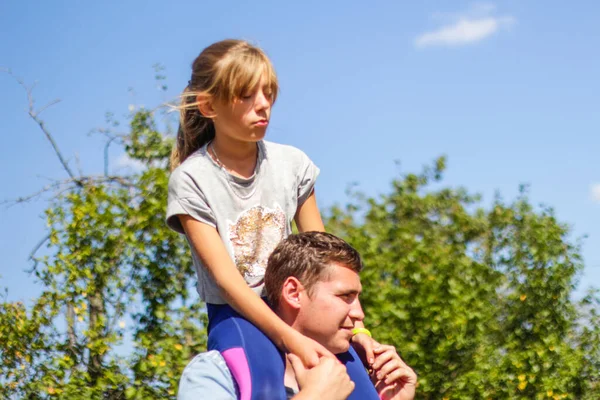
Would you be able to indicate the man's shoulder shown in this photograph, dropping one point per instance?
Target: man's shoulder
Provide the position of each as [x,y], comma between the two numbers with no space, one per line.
[207,376]
[212,359]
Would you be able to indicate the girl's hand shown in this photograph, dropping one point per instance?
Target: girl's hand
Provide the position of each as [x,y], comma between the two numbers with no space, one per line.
[306,349]
[364,345]
[393,379]
[328,380]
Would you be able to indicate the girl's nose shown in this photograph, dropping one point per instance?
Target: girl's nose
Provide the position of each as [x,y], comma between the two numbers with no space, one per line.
[262,100]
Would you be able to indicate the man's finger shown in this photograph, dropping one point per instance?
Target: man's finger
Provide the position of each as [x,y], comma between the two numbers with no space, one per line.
[383,358]
[297,366]
[405,375]
[388,367]
[380,348]
[369,354]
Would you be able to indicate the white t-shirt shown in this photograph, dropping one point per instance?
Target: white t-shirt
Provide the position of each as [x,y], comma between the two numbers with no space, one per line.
[251,215]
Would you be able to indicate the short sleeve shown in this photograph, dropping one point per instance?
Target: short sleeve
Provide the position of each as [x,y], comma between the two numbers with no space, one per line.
[185,197]
[307,176]
[207,377]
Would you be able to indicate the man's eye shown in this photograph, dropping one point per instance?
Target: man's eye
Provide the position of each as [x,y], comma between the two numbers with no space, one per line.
[347,297]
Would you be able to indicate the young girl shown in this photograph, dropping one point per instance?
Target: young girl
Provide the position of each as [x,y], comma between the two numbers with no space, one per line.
[234,196]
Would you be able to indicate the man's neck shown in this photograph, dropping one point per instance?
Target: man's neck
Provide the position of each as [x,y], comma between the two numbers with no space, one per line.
[289,378]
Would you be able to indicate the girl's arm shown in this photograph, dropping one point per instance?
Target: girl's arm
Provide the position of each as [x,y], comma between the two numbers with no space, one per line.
[208,244]
[308,217]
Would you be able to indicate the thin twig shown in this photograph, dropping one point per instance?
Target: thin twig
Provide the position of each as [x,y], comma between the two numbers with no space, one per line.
[53,102]
[23,199]
[35,116]
[32,254]
[78,163]
[124,181]
[55,147]
[117,305]
[106,147]
[37,247]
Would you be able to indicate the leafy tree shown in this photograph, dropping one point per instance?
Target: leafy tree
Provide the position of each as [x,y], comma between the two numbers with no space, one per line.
[478,301]
[113,275]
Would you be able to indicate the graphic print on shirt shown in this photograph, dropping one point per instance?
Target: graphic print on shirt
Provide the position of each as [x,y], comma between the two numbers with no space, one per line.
[253,237]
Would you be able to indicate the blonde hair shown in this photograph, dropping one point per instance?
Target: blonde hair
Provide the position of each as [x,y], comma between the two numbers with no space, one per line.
[223,71]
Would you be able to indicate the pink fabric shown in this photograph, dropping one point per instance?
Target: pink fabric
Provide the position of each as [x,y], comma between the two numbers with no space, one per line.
[238,365]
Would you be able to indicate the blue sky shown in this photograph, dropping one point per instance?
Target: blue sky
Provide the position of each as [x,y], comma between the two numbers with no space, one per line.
[509,91]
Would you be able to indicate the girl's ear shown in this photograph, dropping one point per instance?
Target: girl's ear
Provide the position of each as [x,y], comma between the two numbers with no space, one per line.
[291,292]
[205,106]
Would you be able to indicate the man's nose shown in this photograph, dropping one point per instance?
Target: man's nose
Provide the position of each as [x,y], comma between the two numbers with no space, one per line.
[356,311]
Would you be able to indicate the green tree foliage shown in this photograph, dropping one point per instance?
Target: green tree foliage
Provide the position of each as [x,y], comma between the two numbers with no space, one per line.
[478,301]
[114,275]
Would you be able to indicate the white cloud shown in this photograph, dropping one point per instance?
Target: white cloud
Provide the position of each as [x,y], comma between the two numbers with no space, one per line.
[467,27]
[595,192]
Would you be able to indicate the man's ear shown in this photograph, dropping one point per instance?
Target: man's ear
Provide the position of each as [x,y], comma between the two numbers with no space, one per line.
[292,292]
[205,106]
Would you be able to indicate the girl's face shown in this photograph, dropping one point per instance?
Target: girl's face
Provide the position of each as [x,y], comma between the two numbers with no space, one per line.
[245,119]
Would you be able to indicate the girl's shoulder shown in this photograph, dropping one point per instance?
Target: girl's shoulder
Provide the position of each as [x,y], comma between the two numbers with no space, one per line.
[198,161]
[283,151]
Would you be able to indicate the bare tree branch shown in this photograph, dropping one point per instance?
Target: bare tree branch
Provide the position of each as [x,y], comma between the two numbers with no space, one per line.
[37,247]
[109,134]
[72,337]
[78,164]
[126,181]
[53,102]
[106,147]
[23,199]
[60,187]
[117,304]
[34,114]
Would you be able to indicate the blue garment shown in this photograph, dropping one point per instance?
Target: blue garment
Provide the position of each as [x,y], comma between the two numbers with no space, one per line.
[363,387]
[257,365]
[253,359]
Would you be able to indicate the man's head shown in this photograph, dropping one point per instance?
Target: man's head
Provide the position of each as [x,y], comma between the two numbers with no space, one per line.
[313,284]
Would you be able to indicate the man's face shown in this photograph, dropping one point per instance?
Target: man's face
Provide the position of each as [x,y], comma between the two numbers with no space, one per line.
[330,313]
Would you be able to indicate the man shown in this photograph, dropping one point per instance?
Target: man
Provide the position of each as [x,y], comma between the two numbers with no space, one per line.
[313,285]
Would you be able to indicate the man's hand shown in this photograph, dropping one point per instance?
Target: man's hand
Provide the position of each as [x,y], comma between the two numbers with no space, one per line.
[328,380]
[393,379]
[364,344]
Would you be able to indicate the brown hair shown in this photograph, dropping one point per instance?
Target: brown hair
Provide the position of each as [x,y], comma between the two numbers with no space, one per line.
[223,72]
[307,257]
